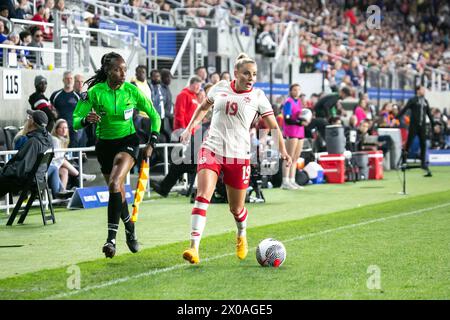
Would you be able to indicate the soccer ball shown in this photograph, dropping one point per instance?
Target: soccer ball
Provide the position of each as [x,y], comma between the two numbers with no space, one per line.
[270,253]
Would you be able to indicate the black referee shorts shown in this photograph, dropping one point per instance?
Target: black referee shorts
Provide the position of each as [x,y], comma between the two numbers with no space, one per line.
[106,150]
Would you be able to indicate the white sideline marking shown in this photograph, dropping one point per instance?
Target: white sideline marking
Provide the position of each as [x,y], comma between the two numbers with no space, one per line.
[179,266]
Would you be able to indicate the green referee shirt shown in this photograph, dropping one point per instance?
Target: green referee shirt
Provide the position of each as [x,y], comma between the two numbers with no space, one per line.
[115,107]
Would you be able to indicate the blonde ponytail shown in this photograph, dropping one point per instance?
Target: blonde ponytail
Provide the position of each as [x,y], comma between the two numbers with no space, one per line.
[242,59]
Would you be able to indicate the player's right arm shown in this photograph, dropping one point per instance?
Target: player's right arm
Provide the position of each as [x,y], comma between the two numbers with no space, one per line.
[197,117]
[82,115]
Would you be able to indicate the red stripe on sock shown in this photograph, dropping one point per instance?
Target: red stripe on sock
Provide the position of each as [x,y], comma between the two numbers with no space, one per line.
[202,200]
[243,217]
[199,212]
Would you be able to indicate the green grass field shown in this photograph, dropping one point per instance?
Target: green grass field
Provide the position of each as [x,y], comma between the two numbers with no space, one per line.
[335,236]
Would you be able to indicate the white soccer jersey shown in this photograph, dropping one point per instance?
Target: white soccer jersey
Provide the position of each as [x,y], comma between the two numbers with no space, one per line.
[233,114]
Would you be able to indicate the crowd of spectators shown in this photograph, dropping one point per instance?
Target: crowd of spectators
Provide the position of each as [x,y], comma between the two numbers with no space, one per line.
[412,36]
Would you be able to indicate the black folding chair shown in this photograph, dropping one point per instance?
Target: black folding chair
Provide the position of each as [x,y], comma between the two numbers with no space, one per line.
[35,188]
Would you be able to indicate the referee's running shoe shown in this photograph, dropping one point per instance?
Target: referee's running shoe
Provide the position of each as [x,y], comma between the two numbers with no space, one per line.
[109,249]
[132,242]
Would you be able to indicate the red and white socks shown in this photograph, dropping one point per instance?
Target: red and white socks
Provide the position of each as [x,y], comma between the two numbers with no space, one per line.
[241,222]
[198,220]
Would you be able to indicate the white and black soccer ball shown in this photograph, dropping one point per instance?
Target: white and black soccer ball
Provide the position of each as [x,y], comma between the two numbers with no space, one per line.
[270,253]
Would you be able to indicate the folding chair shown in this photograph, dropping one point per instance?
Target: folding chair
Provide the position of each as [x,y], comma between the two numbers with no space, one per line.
[36,188]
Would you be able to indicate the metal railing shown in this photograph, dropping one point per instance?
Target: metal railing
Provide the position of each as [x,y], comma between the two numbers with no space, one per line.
[190,54]
[6,47]
[79,156]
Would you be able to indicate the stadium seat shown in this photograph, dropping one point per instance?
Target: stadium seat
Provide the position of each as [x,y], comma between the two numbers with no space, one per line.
[2,146]
[2,140]
[36,188]
[10,133]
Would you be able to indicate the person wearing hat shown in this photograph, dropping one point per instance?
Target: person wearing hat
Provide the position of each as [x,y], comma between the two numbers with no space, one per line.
[14,175]
[38,101]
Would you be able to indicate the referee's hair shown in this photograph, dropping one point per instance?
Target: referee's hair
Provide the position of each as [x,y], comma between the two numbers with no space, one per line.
[102,74]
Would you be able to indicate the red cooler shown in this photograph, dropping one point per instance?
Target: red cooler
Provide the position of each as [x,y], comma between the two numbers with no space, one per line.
[333,167]
[376,165]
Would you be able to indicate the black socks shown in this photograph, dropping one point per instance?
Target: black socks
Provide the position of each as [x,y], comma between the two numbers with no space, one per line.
[129,226]
[114,213]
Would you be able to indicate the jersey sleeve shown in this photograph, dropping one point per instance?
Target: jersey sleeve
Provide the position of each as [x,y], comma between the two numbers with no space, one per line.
[214,90]
[264,105]
[82,109]
[144,104]
[287,109]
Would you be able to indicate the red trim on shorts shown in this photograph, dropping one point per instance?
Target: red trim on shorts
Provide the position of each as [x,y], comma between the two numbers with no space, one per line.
[233,87]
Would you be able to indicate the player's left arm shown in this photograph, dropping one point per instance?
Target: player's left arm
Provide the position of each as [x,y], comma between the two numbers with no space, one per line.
[144,104]
[272,123]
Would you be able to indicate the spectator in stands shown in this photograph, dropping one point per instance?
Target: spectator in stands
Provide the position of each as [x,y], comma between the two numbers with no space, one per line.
[186,103]
[89,130]
[438,137]
[10,5]
[355,73]
[265,41]
[222,16]
[202,74]
[48,6]
[308,65]
[420,109]
[214,77]
[159,97]
[366,141]
[21,136]
[166,79]
[41,16]
[225,76]
[164,15]
[25,40]
[158,93]
[361,110]
[130,9]
[141,119]
[64,101]
[78,83]
[4,13]
[16,172]
[24,10]
[38,101]
[387,117]
[3,39]
[340,73]
[61,140]
[37,42]
[60,7]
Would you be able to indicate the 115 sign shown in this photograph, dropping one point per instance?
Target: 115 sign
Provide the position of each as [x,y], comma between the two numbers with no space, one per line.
[12,84]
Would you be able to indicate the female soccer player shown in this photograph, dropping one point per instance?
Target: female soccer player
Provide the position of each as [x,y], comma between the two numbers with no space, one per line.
[294,132]
[109,102]
[227,149]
